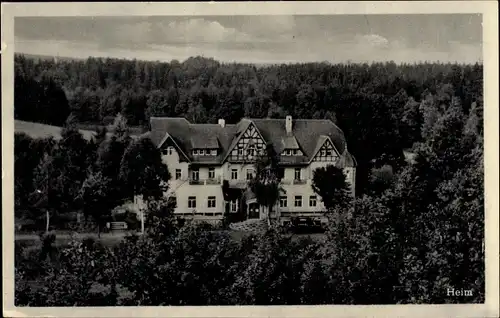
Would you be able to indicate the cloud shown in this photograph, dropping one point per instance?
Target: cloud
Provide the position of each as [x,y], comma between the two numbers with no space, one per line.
[201,30]
[194,30]
[256,39]
[354,51]
[374,40]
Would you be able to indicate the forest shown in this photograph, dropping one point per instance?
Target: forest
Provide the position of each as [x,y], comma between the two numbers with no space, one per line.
[416,226]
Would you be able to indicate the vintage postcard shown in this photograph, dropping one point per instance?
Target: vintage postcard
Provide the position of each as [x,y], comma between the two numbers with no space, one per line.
[251,159]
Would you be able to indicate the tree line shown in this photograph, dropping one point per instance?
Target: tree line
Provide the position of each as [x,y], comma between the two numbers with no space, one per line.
[380,106]
[415,230]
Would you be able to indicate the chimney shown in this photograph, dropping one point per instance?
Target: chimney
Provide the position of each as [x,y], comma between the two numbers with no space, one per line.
[222,123]
[288,124]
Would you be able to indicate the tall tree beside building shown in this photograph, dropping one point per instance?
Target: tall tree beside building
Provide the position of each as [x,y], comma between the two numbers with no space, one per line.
[266,183]
[330,184]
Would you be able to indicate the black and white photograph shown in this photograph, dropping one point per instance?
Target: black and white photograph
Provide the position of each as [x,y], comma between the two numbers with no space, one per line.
[250,159]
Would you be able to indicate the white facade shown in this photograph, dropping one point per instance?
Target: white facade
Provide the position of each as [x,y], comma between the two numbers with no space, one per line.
[197,186]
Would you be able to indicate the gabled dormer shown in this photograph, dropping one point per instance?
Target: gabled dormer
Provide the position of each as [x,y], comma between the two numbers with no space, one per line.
[290,146]
[169,147]
[289,143]
[325,150]
[248,145]
[207,146]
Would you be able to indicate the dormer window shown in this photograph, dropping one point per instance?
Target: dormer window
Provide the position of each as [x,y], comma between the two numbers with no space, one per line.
[168,151]
[295,152]
[288,152]
[205,152]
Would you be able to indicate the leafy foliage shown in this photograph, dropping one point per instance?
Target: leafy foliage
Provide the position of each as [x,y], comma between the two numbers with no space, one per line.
[414,230]
[94,197]
[266,182]
[372,104]
[143,171]
[330,184]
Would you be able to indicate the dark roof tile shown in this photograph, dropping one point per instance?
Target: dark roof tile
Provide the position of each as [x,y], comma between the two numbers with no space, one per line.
[307,134]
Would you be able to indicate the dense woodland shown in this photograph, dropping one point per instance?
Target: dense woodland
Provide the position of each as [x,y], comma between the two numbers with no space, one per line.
[415,228]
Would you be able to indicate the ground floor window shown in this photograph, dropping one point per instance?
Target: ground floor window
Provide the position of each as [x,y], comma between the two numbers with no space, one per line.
[211,202]
[298,200]
[191,202]
[283,202]
[312,200]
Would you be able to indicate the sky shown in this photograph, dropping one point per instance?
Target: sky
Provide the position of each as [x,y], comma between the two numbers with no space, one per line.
[257,39]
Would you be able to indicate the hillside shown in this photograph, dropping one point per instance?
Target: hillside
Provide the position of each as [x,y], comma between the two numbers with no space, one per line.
[37,130]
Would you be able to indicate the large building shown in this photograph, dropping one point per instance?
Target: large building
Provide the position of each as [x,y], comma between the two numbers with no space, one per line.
[211,164]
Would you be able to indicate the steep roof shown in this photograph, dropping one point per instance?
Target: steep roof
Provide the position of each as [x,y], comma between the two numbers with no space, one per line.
[307,134]
[289,142]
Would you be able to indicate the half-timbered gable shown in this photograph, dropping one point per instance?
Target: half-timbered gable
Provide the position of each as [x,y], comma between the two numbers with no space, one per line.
[326,151]
[249,145]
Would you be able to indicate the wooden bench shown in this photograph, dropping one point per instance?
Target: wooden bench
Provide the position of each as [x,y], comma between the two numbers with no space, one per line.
[117,226]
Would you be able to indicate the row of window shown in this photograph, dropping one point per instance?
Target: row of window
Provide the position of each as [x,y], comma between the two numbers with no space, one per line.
[196,152]
[326,152]
[291,152]
[250,151]
[212,203]
[205,152]
[195,174]
[313,201]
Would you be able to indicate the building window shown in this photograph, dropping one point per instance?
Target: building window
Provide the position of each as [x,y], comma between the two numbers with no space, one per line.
[234,206]
[211,202]
[322,152]
[283,202]
[328,153]
[312,200]
[195,152]
[297,173]
[240,152]
[298,200]
[234,174]
[173,200]
[195,174]
[178,174]
[249,174]
[214,152]
[211,173]
[288,152]
[295,152]
[251,152]
[281,173]
[191,202]
[168,151]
